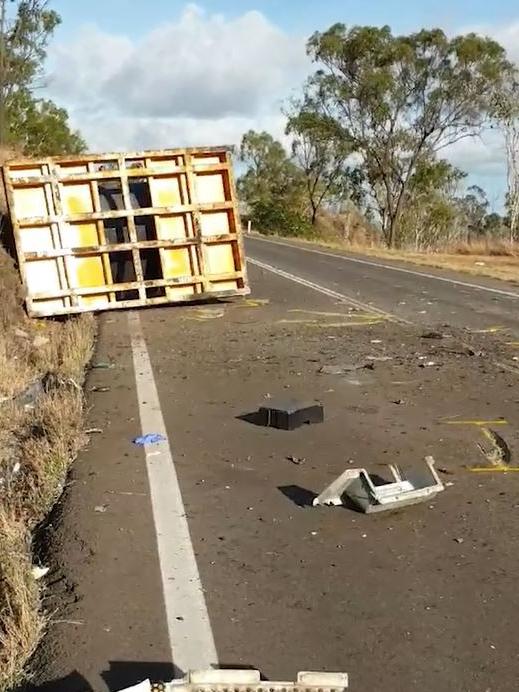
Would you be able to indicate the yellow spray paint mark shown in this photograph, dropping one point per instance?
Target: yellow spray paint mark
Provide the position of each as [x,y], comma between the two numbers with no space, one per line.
[494,469]
[357,321]
[202,315]
[480,423]
[363,323]
[253,303]
[350,318]
[488,330]
[323,314]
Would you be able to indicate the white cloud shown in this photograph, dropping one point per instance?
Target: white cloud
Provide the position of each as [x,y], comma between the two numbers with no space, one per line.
[202,79]
[483,155]
[507,35]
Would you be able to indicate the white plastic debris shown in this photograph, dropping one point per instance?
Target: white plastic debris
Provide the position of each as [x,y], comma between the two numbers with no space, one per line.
[39,572]
[247,681]
[369,496]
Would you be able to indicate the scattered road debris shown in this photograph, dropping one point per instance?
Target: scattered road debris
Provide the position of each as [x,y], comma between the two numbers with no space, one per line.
[398,402]
[101,509]
[39,572]
[459,540]
[149,439]
[371,495]
[100,389]
[103,366]
[499,454]
[290,415]
[93,431]
[246,681]
[432,335]
[296,460]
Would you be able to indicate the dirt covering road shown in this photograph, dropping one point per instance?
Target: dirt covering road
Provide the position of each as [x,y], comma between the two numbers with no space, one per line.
[419,599]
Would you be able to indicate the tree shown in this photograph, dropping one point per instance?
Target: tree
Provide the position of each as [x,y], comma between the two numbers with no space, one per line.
[272,186]
[431,214]
[321,151]
[40,128]
[35,126]
[474,207]
[506,113]
[400,99]
[25,29]
[270,172]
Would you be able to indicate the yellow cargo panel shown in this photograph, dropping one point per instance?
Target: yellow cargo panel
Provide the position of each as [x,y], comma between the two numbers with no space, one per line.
[114,231]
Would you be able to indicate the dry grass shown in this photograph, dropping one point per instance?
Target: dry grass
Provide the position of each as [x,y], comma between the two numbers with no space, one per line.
[37,446]
[20,618]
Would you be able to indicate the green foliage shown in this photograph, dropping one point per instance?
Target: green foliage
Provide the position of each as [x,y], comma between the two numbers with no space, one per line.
[474,208]
[400,99]
[274,216]
[40,128]
[25,39]
[36,126]
[272,186]
[270,173]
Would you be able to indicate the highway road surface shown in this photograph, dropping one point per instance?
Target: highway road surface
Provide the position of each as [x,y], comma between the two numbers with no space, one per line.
[419,294]
[204,549]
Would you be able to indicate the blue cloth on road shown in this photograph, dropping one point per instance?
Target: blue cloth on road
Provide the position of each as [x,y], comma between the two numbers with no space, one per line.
[149,439]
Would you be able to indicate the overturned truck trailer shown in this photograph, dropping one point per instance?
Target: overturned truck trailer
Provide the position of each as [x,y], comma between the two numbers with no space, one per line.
[125,230]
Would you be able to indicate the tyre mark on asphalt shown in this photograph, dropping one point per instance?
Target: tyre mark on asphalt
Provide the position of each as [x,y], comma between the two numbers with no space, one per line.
[189,627]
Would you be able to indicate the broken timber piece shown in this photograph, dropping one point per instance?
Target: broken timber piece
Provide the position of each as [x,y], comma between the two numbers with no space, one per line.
[290,415]
[246,681]
[369,497]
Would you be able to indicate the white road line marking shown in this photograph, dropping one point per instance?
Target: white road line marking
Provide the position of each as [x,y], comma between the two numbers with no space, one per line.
[189,628]
[327,291]
[425,275]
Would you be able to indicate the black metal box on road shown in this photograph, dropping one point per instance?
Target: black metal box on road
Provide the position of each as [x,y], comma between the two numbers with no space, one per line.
[289,415]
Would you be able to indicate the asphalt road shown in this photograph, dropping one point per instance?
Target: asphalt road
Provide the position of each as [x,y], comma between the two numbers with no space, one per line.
[206,546]
[420,295]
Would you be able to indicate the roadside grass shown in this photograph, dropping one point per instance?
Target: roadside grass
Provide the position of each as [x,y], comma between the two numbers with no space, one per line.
[38,442]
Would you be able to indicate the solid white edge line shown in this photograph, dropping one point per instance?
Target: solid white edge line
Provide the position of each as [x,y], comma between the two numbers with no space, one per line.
[379,265]
[327,291]
[189,628]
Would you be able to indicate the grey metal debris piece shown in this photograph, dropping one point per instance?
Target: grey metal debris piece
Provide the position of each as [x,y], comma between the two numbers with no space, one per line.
[359,487]
[247,681]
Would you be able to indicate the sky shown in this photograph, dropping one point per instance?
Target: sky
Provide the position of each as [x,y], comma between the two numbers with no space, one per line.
[164,73]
